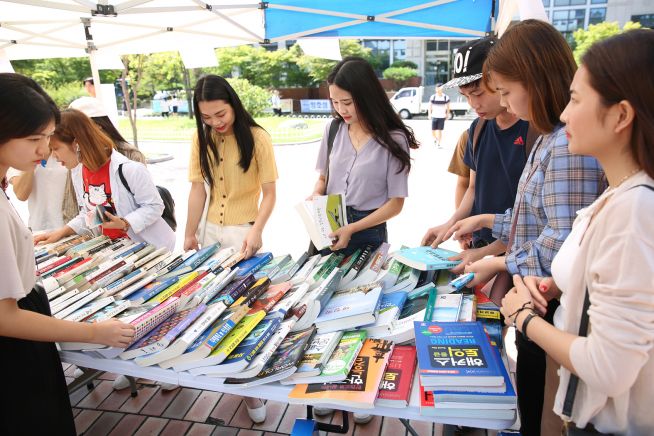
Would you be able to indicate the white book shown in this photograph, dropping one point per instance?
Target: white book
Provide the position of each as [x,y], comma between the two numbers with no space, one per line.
[90,309]
[151,256]
[372,269]
[290,299]
[61,314]
[135,286]
[307,268]
[219,283]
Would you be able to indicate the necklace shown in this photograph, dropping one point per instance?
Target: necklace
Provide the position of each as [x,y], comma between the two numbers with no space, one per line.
[625,178]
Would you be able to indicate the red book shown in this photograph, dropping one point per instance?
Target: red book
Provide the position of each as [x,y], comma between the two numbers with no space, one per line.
[53,265]
[395,388]
[71,267]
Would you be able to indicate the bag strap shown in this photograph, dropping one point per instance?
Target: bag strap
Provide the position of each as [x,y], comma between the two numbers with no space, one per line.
[651,188]
[333,129]
[571,392]
[476,134]
[123,180]
[532,136]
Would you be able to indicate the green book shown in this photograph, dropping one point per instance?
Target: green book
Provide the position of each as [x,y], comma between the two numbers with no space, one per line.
[340,362]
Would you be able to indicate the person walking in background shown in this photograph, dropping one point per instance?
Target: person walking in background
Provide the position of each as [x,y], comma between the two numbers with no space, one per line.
[603,271]
[439,110]
[369,161]
[97,182]
[89,86]
[36,402]
[233,177]
[174,104]
[276,102]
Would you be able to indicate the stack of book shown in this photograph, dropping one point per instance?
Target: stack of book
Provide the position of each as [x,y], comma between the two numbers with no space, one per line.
[460,373]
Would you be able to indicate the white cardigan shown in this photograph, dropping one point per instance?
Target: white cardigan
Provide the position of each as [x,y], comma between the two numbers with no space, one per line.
[615,362]
[142,210]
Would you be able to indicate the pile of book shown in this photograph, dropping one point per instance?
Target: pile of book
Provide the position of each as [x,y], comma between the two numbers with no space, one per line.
[328,325]
[461,374]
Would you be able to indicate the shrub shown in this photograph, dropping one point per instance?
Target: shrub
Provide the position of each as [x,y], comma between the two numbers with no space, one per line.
[407,64]
[66,93]
[255,99]
[400,74]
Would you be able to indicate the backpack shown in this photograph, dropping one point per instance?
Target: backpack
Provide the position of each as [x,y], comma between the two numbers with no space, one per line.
[168,213]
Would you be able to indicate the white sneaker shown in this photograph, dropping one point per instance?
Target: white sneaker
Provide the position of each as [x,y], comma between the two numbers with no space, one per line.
[258,414]
[78,373]
[322,411]
[168,386]
[362,418]
[121,382]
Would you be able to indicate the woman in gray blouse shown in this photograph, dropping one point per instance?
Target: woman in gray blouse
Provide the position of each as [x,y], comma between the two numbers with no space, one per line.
[369,161]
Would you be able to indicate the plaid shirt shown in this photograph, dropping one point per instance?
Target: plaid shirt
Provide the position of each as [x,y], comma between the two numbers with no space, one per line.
[561,185]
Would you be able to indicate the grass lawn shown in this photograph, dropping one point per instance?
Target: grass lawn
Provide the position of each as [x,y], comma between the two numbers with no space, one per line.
[181,128]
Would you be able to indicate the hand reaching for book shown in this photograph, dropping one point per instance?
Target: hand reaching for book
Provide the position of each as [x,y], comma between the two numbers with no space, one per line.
[342,238]
[113,333]
[436,235]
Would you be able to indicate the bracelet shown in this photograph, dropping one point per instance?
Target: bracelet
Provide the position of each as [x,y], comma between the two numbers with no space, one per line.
[525,323]
[524,306]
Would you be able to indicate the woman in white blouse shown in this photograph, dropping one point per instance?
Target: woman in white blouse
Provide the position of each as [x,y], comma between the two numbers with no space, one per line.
[609,254]
[33,398]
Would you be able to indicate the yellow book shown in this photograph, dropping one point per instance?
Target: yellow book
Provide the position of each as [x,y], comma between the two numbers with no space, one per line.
[168,292]
[236,336]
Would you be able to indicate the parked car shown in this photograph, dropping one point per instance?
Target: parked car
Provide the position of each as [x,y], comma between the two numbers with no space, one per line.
[415,101]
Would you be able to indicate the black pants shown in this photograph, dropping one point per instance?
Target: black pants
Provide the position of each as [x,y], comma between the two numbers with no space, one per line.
[34,398]
[530,379]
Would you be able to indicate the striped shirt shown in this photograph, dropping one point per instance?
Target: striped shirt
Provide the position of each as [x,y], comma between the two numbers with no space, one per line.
[547,204]
[235,195]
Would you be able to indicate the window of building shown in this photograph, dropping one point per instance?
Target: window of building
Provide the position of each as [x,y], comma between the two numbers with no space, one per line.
[645,20]
[443,45]
[569,2]
[546,3]
[432,46]
[598,2]
[597,15]
[399,49]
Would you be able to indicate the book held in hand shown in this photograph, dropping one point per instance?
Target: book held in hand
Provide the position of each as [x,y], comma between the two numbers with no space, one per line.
[322,215]
[426,258]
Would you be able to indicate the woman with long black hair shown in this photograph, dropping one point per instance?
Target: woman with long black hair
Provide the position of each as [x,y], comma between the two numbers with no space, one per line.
[232,164]
[369,161]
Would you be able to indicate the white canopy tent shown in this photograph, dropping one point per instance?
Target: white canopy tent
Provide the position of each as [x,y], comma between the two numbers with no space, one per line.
[32,29]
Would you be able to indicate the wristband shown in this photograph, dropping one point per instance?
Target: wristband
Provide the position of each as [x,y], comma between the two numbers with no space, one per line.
[525,323]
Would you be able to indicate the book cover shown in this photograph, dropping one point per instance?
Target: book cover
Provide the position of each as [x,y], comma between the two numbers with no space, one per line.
[358,265]
[153,318]
[274,266]
[173,290]
[194,261]
[350,308]
[89,309]
[359,389]
[253,264]
[290,299]
[263,356]
[148,291]
[397,381]
[447,308]
[320,350]
[426,258]
[340,362]
[390,307]
[236,336]
[243,354]
[283,362]
[455,354]
[468,308]
[269,299]
[373,268]
[164,334]
[304,272]
[322,215]
[253,292]
[109,311]
[401,330]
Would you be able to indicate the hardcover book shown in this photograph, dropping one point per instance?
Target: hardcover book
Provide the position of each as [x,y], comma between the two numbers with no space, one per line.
[395,389]
[350,308]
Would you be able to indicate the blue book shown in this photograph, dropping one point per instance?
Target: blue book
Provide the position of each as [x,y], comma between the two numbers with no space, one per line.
[241,357]
[194,261]
[150,290]
[495,400]
[133,249]
[427,258]
[253,264]
[350,308]
[455,354]
[390,307]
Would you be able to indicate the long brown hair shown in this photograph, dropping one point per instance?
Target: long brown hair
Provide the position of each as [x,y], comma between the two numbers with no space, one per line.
[619,68]
[94,145]
[537,56]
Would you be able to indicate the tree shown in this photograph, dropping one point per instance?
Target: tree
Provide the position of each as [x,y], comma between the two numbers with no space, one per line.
[132,73]
[400,74]
[255,99]
[319,68]
[597,32]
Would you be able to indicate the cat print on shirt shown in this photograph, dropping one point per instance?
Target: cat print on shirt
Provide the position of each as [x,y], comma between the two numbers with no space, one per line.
[96,196]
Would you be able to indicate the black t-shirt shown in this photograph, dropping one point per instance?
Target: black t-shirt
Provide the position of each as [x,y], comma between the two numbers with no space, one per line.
[498,161]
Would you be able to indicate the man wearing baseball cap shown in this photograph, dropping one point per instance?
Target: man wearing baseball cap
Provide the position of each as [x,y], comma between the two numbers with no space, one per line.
[495,152]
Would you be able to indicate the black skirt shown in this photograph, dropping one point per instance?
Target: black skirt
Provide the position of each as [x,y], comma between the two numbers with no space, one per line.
[33,394]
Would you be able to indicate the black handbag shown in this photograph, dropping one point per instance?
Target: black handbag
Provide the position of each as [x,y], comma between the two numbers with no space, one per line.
[333,129]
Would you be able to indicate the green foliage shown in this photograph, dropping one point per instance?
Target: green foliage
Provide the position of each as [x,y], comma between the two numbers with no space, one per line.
[64,94]
[56,71]
[162,71]
[400,73]
[255,99]
[319,68]
[597,32]
[407,64]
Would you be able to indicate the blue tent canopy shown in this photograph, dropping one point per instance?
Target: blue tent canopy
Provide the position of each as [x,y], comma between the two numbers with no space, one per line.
[292,19]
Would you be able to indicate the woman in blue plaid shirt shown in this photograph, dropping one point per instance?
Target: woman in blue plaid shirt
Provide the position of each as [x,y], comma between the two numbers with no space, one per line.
[532,67]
